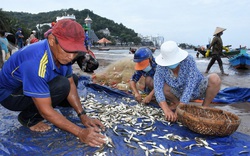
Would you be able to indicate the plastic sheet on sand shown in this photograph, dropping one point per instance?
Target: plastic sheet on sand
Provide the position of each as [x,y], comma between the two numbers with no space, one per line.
[233,95]
[18,140]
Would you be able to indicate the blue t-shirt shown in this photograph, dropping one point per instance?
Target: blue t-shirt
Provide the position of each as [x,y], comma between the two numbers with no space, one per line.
[18,38]
[31,68]
[4,44]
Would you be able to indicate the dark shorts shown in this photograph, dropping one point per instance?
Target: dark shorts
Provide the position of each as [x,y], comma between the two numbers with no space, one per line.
[29,116]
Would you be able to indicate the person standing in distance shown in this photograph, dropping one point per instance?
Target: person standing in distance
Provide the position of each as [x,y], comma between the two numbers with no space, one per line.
[19,38]
[217,47]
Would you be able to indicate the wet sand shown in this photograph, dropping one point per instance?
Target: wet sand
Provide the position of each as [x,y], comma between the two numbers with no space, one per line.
[236,78]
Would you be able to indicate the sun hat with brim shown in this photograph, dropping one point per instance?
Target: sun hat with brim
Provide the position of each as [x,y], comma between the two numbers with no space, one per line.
[142,65]
[218,30]
[70,35]
[170,54]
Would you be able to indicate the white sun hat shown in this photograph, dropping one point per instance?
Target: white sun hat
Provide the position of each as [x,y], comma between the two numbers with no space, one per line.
[218,30]
[170,54]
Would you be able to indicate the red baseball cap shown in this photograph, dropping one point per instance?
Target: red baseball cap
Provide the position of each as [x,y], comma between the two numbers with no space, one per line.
[70,35]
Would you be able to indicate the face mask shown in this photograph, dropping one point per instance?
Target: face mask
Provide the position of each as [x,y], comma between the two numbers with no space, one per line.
[173,66]
[147,69]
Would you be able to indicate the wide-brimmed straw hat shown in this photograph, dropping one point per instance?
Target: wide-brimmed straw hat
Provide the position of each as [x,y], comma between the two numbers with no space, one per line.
[218,30]
[170,54]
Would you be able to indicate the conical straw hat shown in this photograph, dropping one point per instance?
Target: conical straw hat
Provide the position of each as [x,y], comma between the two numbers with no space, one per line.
[218,30]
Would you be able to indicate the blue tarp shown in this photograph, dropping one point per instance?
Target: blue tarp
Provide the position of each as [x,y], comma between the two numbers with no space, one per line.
[233,95]
[18,140]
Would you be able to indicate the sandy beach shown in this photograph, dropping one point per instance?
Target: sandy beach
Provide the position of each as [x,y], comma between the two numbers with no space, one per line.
[236,78]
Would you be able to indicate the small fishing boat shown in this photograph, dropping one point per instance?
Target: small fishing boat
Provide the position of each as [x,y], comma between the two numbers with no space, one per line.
[229,53]
[132,50]
[241,61]
[103,49]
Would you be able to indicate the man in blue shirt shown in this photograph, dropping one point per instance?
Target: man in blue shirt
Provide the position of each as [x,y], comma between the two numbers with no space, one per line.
[145,66]
[39,77]
[19,38]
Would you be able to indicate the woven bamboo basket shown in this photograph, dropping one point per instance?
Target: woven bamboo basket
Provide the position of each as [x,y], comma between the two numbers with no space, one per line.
[207,120]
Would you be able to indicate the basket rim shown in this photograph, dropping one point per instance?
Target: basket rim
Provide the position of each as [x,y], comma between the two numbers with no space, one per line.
[204,119]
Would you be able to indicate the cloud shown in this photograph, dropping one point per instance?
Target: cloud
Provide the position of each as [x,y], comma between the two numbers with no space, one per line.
[184,21]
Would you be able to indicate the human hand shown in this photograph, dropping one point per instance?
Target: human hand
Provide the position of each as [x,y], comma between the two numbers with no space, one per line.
[170,115]
[89,122]
[138,97]
[207,53]
[91,136]
[147,99]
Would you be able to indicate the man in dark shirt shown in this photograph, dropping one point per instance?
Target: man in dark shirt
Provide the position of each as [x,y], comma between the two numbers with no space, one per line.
[19,38]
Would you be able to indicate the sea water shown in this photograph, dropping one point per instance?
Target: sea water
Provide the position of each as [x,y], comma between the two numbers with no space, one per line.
[237,77]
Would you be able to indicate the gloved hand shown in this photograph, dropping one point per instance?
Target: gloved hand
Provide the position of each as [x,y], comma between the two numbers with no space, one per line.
[226,49]
[207,53]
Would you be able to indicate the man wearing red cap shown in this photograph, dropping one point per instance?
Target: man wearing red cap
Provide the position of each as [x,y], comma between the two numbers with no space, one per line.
[39,77]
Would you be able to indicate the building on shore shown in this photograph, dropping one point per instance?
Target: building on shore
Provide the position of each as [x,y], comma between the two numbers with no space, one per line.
[90,32]
[105,31]
[66,17]
[152,41]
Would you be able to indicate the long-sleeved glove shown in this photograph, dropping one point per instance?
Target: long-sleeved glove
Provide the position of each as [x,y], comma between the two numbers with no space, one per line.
[207,53]
[226,49]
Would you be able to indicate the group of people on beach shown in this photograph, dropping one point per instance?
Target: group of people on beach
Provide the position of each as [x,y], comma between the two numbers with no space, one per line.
[39,77]
[17,40]
[176,79]
[3,47]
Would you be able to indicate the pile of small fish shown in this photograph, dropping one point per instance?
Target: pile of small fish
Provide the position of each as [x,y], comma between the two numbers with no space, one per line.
[138,119]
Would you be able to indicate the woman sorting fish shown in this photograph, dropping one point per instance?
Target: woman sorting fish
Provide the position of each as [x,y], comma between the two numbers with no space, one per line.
[178,80]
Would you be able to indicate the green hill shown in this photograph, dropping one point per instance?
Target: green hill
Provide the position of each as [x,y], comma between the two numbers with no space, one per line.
[10,21]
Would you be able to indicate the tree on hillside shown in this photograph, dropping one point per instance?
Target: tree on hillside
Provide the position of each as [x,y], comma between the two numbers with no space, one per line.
[119,32]
[4,21]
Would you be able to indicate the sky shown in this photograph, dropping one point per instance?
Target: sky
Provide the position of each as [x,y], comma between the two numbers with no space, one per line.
[183,21]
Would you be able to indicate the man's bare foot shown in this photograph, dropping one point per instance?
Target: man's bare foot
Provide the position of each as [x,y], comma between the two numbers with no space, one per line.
[40,127]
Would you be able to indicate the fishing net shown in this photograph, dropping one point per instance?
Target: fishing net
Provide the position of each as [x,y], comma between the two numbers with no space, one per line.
[207,120]
[117,75]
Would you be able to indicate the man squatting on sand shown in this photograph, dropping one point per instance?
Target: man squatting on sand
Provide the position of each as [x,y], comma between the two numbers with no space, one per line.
[178,80]
[39,77]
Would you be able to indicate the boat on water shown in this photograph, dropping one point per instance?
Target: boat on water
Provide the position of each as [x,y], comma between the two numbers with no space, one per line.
[103,49]
[241,60]
[229,53]
[132,50]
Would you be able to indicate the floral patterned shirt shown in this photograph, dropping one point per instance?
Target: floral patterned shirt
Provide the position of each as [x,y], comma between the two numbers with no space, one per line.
[186,84]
